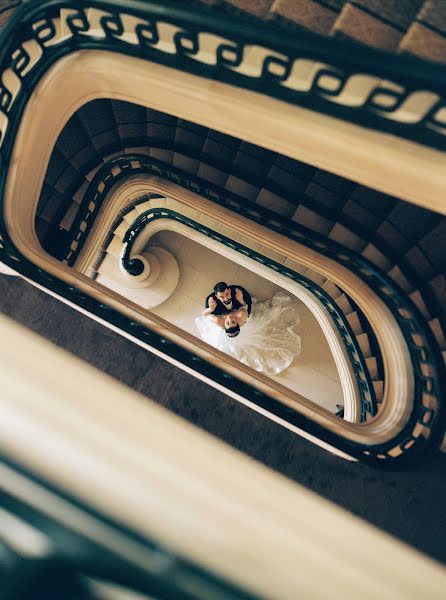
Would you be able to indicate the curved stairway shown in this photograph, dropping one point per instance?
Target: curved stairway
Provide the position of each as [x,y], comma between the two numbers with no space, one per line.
[147,292]
[283,187]
[258,175]
[103,249]
[401,239]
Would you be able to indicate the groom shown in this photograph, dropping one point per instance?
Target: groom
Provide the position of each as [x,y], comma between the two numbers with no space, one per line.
[228,306]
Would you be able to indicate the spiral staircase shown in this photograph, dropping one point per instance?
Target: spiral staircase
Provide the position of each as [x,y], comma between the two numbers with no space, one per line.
[373,256]
[401,239]
[255,175]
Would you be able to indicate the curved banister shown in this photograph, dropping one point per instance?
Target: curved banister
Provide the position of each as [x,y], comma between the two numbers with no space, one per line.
[426,361]
[365,387]
[133,266]
[256,56]
[35,27]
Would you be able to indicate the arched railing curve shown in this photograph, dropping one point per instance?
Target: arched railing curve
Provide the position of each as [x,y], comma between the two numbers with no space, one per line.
[41,32]
[307,70]
[366,391]
[427,365]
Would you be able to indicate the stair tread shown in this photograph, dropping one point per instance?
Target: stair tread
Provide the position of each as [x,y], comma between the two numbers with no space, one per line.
[438,332]
[115,246]
[344,304]
[377,257]
[418,300]
[131,216]
[332,289]
[69,216]
[316,277]
[311,219]
[346,237]
[364,344]
[378,386]
[372,365]
[355,323]
[316,17]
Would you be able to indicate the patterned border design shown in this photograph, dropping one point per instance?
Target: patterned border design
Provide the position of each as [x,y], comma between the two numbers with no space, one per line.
[396,94]
[426,425]
[304,71]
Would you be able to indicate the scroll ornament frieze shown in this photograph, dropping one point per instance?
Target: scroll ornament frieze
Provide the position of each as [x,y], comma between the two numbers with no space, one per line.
[353,91]
[425,363]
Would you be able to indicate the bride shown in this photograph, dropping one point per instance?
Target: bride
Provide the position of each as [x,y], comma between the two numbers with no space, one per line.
[267,342]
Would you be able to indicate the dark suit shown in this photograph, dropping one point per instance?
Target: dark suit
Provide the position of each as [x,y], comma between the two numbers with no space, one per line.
[222,309]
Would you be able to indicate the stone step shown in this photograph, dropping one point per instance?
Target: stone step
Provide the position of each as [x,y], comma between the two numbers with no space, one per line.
[372,366]
[318,17]
[426,37]
[344,304]
[346,237]
[378,24]
[378,386]
[160,285]
[311,219]
[355,323]
[332,289]
[438,332]
[364,344]
[318,278]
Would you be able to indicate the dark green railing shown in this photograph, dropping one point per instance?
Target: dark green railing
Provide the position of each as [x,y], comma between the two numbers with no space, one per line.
[335,67]
[134,266]
[425,357]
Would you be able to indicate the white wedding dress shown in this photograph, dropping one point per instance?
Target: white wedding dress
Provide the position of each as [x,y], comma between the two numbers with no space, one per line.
[268,341]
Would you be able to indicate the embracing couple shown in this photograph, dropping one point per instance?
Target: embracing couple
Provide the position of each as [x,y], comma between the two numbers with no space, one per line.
[229,307]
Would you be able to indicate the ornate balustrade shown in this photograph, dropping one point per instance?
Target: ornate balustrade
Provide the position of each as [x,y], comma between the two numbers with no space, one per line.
[424,427]
[397,95]
[134,266]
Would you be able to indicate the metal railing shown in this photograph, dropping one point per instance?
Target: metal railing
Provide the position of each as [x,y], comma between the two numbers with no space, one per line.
[424,355]
[364,86]
[398,94]
[367,396]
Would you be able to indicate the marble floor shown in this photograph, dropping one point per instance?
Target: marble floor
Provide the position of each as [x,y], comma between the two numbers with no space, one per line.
[312,374]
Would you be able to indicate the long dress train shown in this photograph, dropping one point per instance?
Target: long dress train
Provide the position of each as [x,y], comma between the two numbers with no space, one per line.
[268,342]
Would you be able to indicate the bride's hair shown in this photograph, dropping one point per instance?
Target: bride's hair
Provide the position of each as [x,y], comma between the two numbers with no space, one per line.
[233,331]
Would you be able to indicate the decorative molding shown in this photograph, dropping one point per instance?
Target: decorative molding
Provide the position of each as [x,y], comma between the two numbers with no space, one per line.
[41,36]
[397,94]
[418,410]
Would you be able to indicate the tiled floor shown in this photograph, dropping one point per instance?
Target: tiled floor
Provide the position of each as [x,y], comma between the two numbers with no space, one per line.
[312,374]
